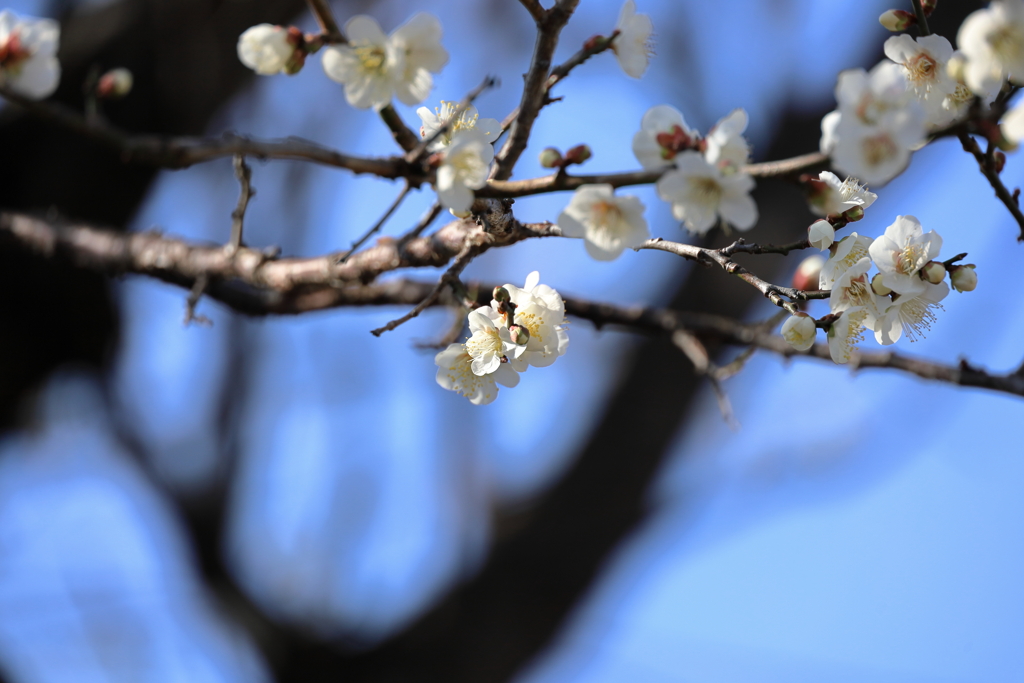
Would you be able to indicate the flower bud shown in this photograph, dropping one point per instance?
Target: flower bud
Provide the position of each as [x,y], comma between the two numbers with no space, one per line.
[854,214]
[550,158]
[933,272]
[963,278]
[519,335]
[114,84]
[1000,161]
[955,67]
[878,287]
[807,274]
[578,154]
[929,6]
[501,295]
[897,20]
[821,234]
[799,331]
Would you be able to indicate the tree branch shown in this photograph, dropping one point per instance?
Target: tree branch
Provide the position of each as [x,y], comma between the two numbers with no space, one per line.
[987,167]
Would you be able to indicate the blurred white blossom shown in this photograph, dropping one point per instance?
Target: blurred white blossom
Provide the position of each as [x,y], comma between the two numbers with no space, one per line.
[467,120]
[727,149]
[700,193]
[609,224]
[463,169]
[28,55]
[663,134]
[633,46]
[266,49]
[992,41]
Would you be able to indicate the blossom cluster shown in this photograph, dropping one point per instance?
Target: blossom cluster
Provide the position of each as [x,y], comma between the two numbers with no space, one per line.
[901,299]
[521,327]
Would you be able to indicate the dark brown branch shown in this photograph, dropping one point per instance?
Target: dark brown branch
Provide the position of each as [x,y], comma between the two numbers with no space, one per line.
[403,135]
[534,91]
[534,8]
[322,11]
[245,194]
[271,289]
[987,166]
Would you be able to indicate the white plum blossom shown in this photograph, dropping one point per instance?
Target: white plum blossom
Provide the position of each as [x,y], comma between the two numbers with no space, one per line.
[853,290]
[374,67]
[266,49]
[470,119]
[1013,125]
[463,169]
[609,224]
[633,45]
[834,196]
[845,333]
[455,373]
[663,134]
[876,125]
[821,234]
[539,309]
[992,42]
[799,331]
[910,313]
[490,340]
[845,253]
[902,251]
[924,61]
[28,55]
[727,149]
[700,193]
[960,100]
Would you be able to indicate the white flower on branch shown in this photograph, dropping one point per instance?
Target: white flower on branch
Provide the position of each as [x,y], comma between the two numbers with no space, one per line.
[663,134]
[853,290]
[727,149]
[490,340]
[821,234]
[911,313]
[845,333]
[633,46]
[924,61]
[463,169]
[845,253]
[267,49]
[374,67]
[28,55]
[902,251]
[876,125]
[834,196]
[455,373]
[609,224]
[700,193]
[799,331]
[539,309]
[992,41]
[467,120]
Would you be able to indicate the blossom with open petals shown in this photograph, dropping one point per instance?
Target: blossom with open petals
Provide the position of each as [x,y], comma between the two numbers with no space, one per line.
[608,223]
[902,251]
[663,134]
[539,309]
[700,193]
[490,341]
[845,253]
[463,169]
[852,290]
[834,196]
[28,55]
[992,42]
[374,67]
[467,120]
[267,49]
[633,47]
[845,333]
[455,373]
[911,314]
[727,149]
[924,61]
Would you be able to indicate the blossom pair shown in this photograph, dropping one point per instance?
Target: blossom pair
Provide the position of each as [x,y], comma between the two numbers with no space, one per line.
[521,327]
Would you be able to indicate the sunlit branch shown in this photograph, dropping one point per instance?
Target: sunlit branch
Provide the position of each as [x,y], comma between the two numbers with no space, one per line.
[987,166]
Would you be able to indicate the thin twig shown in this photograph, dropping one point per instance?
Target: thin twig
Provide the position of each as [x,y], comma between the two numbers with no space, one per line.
[245,194]
[416,154]
[425,220]
[194,295]
[534,8]
[988,170]
[378,225]
[322,11]
[922,19]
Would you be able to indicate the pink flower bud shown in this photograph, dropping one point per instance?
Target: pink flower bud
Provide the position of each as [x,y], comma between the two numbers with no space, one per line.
[519,335]
[114,84]
[807,274]
[578,154]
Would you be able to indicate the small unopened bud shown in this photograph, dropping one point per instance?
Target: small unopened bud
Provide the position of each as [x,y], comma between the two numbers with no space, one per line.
[854,214]
[897,20]
[519,335]
[114,84]
[501,295]
[933,272]
[963,278]
[578,154]
[821,234]
[808,273]
[878,287]
[929,6]
[550,158]
[1000,161]
[799,331]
